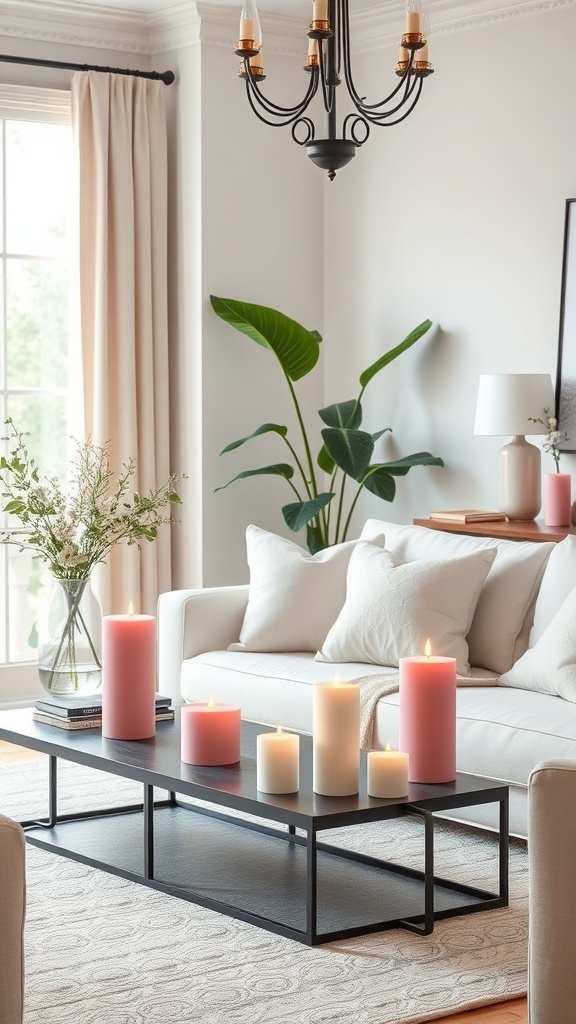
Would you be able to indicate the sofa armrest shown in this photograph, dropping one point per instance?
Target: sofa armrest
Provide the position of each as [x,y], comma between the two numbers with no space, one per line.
[13,903]
[193,621]
[552,892]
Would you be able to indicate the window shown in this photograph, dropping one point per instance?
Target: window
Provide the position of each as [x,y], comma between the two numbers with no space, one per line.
[38,389]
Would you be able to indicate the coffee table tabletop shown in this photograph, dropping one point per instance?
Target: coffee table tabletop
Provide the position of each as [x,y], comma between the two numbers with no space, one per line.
[135,844]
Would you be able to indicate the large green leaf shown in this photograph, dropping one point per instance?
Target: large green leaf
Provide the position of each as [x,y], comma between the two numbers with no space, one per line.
[388,357]
[315,538]
[296,348]
[299,513]
[380,482]
[280,469]
[399,467]
[327,465]
[350,449]
[342,414]
[266,428]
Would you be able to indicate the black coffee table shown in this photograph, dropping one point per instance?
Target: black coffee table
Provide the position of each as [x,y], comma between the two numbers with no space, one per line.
[274,873]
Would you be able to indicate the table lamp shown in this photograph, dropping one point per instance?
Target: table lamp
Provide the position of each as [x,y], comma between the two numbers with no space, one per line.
[506,401]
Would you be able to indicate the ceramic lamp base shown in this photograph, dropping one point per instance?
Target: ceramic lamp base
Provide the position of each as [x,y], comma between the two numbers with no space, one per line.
[519,487]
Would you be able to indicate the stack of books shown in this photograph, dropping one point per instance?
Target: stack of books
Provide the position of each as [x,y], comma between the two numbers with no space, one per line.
[85,712]
[468,515]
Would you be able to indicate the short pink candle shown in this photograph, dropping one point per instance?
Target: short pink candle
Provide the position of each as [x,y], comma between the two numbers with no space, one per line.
[128,677]
[210,734]
[428,717]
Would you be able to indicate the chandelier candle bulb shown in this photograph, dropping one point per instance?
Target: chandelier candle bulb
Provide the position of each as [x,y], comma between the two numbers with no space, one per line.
[128,677]
[320,10]
[336,738]
[387,773]
[413,8]
[210,733]
[427,714]
[278,762]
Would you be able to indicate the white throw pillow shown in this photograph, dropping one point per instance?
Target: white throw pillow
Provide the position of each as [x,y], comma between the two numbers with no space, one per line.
[500,629]
[550,666]
[294,597]
[393,608]
[557,582]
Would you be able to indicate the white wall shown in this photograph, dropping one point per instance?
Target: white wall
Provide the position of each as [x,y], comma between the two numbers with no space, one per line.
[456,215]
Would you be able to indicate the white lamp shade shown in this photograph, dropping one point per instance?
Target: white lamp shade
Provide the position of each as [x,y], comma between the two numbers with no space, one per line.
[506,401]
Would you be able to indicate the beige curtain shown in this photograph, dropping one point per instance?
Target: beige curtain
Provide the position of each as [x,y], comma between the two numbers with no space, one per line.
[120,129]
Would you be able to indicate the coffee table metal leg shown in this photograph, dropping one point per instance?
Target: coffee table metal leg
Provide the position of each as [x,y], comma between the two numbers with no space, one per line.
[148,809]
[52,818]
[311,888]
[504,848]
[428,927]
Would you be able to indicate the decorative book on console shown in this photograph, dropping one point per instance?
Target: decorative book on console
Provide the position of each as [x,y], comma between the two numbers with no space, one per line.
[468,515]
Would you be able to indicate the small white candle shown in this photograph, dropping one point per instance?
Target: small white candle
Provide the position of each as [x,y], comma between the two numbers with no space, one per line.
[387,773]
[320,10]
[278,762]
[336,738]
[247,28]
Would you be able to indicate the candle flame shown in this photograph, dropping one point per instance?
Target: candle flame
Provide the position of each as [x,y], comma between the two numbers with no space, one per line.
[211,702]
[427,649]
[279,731]
[131,608]
[337,678]
[388,747]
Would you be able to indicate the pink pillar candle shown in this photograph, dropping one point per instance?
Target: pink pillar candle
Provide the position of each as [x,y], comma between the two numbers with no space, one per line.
[428,717]
[128,677]
[210,734]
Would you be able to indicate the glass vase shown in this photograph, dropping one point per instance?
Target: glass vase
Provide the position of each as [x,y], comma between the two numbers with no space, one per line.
[70,638]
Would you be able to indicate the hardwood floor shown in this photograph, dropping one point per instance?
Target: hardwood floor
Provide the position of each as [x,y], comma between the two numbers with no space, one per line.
[513,1012]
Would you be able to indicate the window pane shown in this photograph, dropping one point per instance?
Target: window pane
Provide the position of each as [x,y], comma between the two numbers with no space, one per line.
[45,419]
[37,213]
[36,324]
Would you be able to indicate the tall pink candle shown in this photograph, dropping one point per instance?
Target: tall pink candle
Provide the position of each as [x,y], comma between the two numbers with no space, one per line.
[428,717]
[210,733]
[128,677]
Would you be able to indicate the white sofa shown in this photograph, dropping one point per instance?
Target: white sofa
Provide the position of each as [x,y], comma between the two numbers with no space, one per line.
[518,613]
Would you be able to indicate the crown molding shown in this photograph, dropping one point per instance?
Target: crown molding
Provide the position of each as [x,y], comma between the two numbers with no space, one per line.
[104,28]
[184,23]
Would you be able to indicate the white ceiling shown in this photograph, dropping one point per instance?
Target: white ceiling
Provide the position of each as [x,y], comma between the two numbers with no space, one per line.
[296,8]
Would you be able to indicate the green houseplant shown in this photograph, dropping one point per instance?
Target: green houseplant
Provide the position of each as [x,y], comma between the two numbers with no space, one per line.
[346,451]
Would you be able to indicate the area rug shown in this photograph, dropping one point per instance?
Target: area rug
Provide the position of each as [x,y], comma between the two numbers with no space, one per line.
[103,950]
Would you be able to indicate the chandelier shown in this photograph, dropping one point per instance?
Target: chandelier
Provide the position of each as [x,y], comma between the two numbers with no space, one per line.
[328,59]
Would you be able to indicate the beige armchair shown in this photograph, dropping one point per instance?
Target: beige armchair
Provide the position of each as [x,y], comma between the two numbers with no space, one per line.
[552,900]
[12,915]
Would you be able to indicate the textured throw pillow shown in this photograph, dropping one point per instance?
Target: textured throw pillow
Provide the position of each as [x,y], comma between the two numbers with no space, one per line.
[392,608]
[557,582]
[500,629]
[550,666]
[294,597]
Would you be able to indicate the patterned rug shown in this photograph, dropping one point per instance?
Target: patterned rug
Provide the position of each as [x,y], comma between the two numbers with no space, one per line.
[103,950]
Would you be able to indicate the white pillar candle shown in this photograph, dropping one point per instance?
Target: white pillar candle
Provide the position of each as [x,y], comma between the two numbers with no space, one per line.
[278,762]
[387,773]
[336,738]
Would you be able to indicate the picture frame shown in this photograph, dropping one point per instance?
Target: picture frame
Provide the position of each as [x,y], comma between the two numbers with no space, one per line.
[566,370]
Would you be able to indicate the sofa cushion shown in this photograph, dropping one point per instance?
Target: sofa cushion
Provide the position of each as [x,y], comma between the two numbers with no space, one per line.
[557,582]
[501,625]
[294,597]
[550,666]
[393,608]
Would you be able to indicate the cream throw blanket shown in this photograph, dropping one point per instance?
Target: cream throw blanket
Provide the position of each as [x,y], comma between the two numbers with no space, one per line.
[372,688]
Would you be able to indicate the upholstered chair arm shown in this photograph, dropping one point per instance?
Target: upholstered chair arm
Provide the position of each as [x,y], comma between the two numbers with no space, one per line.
[12,916]
[191,622]
[552,892]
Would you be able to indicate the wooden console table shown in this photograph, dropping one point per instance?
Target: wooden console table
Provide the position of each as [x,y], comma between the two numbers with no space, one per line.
[534,530]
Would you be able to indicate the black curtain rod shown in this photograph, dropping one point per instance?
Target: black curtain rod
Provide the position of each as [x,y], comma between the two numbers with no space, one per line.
[164,76]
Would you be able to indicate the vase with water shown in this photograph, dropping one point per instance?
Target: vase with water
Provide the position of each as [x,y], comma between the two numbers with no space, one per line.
[70,638]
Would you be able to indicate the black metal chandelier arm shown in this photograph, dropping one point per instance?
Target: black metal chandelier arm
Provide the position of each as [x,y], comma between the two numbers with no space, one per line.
[274,109]
[359,101]
[328,92]
[254,96]
[412,84]
[383,119]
